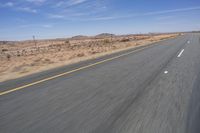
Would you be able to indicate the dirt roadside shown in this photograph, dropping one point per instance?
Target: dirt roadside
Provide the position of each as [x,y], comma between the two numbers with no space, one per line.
[25,58]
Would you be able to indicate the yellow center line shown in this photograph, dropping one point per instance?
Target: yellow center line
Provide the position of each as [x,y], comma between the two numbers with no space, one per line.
[69,72]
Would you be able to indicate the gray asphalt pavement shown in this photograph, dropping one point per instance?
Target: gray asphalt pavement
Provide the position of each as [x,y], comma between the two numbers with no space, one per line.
[154,90]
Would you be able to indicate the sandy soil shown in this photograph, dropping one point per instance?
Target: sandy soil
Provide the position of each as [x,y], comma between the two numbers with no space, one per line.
[28,57]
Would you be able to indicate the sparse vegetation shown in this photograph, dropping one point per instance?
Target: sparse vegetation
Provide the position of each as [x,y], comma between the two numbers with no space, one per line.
[125,40]
[67,42]
[106,41]
[8,57]
[52,53]
[4,50]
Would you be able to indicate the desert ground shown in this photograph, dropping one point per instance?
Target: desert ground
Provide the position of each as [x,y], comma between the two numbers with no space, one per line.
[21,58]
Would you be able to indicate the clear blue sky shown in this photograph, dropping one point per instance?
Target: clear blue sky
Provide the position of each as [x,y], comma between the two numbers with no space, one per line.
[21,19]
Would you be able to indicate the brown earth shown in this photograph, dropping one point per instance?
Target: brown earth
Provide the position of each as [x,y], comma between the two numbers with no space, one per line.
[27,57]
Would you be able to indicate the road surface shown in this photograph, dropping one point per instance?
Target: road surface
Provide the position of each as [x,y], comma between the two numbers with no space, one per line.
[153,89]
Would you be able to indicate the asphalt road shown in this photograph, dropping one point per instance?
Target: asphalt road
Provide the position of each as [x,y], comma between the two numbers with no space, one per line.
[152,90]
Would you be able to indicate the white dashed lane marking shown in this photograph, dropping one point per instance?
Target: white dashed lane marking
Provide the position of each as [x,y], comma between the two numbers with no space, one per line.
[179,55]
[165,72]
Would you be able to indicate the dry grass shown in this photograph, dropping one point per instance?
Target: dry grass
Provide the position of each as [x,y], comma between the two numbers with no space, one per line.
[24,58]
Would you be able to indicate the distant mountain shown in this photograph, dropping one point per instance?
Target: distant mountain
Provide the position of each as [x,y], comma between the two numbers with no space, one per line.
[79,37]
[104,35]
[7,42]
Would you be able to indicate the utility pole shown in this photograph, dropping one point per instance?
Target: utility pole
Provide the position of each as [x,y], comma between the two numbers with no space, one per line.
[34,41]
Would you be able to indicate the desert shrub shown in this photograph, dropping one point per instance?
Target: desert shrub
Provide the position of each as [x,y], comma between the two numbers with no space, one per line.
[67,41]
[59,48]
[38,60]
[125,40]
[106,41]
[8,56]
[94,52]
[80,54]
[18,53]
[49,61]
[4,50]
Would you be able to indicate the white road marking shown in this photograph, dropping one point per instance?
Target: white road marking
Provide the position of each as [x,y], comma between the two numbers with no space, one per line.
[188,41]
[179,55]
[165,72]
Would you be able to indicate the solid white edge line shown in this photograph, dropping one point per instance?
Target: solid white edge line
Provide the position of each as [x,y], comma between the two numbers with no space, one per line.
[179,55]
